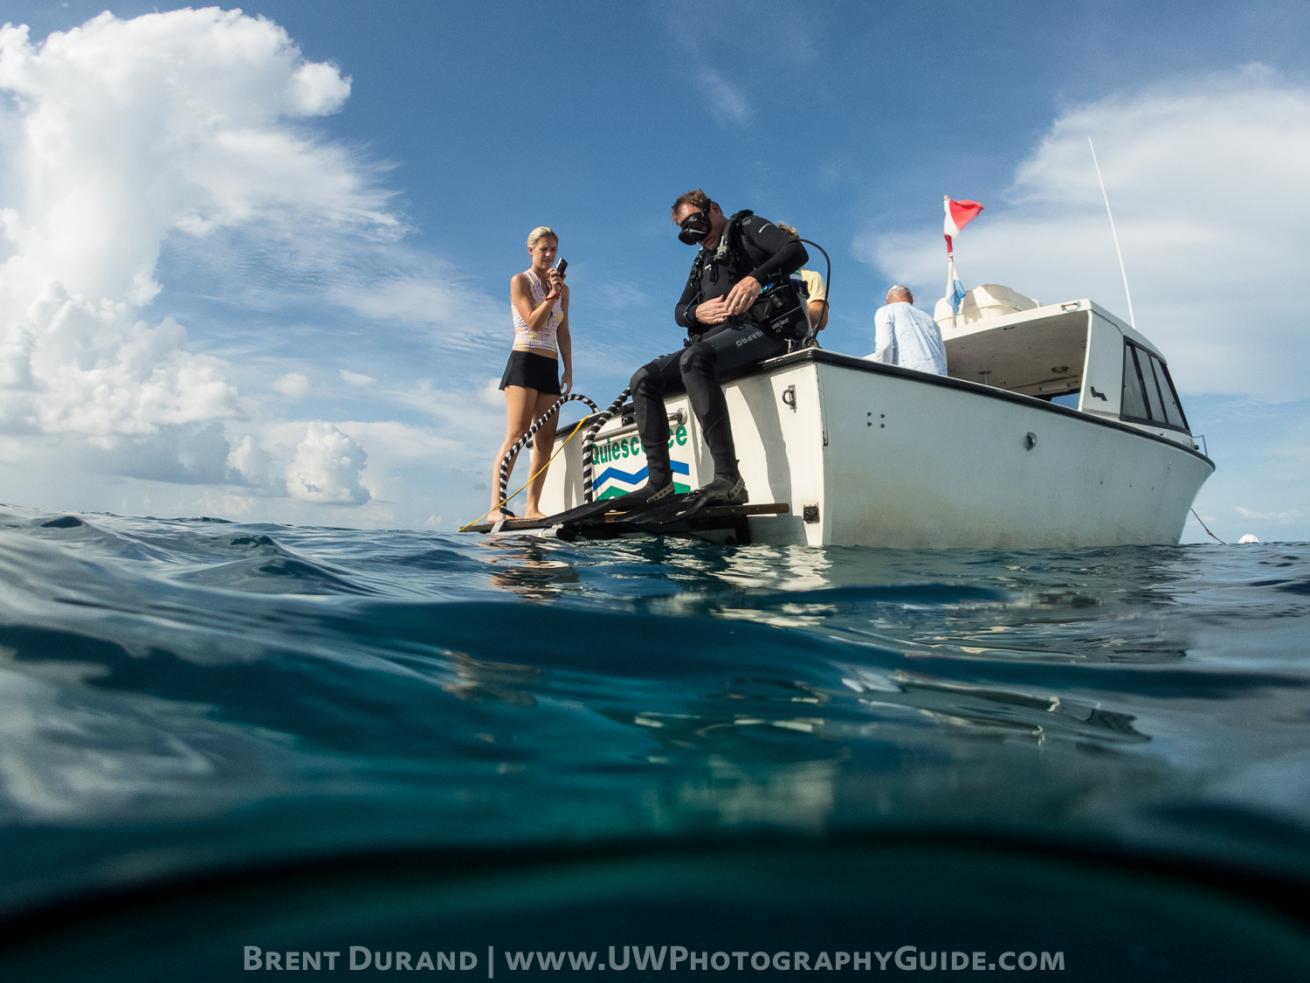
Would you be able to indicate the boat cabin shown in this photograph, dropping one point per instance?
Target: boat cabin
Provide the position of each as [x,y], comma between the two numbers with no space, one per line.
[1076,354]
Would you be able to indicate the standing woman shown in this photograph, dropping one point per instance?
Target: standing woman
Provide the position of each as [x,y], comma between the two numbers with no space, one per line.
[539,301]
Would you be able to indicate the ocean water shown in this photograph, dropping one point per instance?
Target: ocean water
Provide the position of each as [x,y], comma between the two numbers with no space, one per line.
[289,737]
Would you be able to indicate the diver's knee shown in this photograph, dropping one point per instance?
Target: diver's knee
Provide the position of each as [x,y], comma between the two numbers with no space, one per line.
[697,359]
[647,379]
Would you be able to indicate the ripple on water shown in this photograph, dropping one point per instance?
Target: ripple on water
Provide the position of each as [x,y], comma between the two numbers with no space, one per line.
[160,673]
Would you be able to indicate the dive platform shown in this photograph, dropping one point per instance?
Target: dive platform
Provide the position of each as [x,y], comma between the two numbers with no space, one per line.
[609,520]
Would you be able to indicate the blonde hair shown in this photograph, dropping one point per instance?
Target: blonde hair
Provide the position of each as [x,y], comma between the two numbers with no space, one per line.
[539,233]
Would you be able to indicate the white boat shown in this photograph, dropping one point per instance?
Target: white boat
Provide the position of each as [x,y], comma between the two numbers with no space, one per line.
[1058,426]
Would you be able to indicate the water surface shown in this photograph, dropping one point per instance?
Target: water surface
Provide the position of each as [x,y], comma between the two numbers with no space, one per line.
[182,695]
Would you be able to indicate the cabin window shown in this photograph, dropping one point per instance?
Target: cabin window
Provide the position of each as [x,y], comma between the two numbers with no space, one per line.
[1133,402]
[1173,410]
[1148,392]
[1154,410]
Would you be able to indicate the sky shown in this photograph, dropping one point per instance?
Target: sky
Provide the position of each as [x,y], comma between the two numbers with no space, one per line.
[254,262]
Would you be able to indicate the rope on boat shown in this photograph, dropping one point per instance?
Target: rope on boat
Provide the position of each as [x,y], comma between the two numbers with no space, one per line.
[589,441]
[522,442]
[528,434]
[541,470]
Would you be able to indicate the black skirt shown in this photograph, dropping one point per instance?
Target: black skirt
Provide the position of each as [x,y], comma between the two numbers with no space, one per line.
[532,371]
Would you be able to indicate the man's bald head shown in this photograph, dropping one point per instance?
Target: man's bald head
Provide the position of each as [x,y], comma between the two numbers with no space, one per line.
[898,292]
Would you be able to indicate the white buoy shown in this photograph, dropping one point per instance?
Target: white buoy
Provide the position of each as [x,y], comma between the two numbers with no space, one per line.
[1250,537]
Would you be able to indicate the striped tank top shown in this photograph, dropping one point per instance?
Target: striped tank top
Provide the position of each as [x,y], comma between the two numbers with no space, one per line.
[543,339]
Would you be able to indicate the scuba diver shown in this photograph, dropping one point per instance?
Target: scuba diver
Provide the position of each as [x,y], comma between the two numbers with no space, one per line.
[728,328]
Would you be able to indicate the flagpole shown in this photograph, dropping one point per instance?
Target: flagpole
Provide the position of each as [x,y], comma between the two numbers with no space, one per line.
[1123,270]
[950,280]
[967,212]
[950,266]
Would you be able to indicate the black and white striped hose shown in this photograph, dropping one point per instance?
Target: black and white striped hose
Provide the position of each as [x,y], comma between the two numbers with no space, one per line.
[589,440]
[527,436]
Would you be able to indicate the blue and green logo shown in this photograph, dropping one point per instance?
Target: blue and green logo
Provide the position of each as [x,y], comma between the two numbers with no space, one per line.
[616,480]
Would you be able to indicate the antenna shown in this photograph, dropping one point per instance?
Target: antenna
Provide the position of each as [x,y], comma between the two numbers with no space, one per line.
[1123,271]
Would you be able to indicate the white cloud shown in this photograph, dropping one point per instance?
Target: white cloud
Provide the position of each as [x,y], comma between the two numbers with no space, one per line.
[318,89]
[189,454]
[621,297]
[130,130]
[400,441]
[467,414]
[294,385]
[1206,177]
[400,459]
[727,99]
[254,465]
[93,369]
[115,138]
[490,395]
[327,467]
[184,135]
[742,36]
[1279,517]
[464,317]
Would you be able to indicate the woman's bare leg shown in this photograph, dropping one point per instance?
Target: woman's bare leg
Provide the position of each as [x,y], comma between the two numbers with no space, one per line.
[543,442]
[519,404]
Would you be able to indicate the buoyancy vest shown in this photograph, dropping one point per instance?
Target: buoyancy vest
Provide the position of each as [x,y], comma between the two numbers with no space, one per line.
[780,309]
[714,271]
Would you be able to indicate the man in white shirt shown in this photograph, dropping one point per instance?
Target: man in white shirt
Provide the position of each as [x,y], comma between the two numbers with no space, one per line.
[907,336]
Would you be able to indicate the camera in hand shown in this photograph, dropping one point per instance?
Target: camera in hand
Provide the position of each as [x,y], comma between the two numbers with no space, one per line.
[561,266]
[781,311]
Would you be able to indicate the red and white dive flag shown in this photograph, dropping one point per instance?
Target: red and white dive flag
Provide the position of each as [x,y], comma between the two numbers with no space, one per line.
[958,215]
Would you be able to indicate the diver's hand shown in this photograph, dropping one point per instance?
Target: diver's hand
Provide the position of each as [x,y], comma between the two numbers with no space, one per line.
[712,311]
[556,280]
[744,293]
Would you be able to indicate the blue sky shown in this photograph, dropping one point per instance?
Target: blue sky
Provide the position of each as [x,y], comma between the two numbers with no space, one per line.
[254,265]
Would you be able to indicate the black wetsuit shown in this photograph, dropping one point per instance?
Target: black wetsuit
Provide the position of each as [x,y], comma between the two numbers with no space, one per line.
[758,248]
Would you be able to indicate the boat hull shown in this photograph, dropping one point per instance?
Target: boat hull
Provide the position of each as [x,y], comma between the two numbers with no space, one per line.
[871,455]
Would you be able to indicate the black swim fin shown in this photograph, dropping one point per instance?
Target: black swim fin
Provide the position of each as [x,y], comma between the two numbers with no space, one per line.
[660,513]
[583,512]
[719,492]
